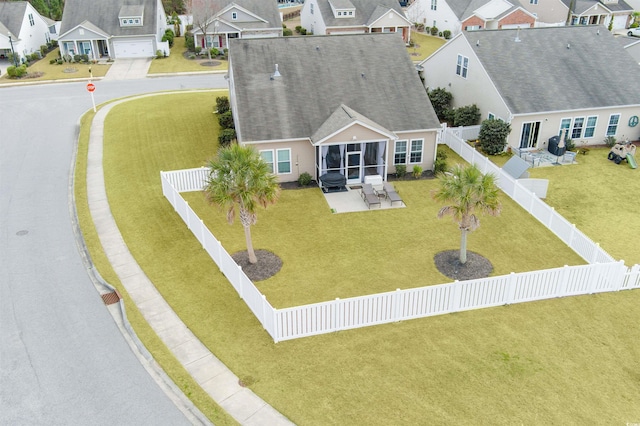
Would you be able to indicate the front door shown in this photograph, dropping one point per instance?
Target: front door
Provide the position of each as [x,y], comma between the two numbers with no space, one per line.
[529,135]
[354,166]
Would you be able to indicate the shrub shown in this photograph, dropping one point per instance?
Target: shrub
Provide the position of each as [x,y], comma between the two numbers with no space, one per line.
[417,171]
[191,56]
[303,31]
[214,52]
[53,61]
[17,72]
[440,34]
[440,165]
[286,32]
[226,120]
[197,49]
[189,41]
[434,31]
[222,104]
[401,171]
[159,54]
[298,28]
[493,136]
[59,61]
[226,136]
[304,179]
[610,141]
[168,36]
[570,145]
[466,116]
[441,101]
[43,49]
[446,34]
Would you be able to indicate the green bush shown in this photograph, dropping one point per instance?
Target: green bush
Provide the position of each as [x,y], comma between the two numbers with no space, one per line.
[43,49]
[191,56]
[298,28]
[493,136]
[304,179]
[468,115]
[440,165]
[214,52]
[226,136]
[159,54]
[53,61]
[287,32]
[446,34]
[189,41]
[303,31]
[168,36]
[17,72]
[441,101]
[434,31]
[610,141]
[401,171]
[59,61]
[417,171]
[570,145]
[226,120]
[222,104]
[197,49]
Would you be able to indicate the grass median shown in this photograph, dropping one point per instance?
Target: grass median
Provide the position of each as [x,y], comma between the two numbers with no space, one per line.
[568,360]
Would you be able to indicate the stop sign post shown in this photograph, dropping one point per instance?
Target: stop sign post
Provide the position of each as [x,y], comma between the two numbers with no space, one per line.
[91,88]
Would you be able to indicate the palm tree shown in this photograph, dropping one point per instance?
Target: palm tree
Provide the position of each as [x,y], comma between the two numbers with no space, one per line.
[239,179]
[468,190]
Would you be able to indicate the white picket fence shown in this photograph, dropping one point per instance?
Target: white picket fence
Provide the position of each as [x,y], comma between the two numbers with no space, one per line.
[399,305]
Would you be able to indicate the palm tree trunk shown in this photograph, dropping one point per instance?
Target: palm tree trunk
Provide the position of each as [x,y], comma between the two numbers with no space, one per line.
[247,237]
[463,246]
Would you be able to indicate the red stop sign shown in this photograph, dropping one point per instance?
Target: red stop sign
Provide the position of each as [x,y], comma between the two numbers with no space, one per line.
[91,87]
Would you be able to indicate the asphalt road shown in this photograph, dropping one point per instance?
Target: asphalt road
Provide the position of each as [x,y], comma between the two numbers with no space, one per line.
[63,359]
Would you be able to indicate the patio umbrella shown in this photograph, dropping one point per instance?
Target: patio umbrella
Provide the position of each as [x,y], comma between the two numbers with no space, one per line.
[560,148]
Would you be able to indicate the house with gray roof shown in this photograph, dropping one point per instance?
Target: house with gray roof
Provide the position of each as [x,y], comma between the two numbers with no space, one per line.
[331,105]
[22,29]
[470,15]
[576,80]
[583,12]
[631,45]
[217,22]
[113,29]
[326,17]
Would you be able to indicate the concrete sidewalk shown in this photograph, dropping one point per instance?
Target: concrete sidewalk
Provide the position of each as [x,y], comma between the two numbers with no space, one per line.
[209,372]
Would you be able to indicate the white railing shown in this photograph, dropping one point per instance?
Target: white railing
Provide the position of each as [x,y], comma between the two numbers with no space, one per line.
[556,223]
[399,305]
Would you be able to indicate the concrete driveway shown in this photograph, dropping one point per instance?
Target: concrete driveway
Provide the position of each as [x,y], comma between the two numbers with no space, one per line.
[128,69]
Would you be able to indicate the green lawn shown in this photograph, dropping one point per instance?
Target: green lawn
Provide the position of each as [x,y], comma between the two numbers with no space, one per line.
[563,361]
[425,45]
[177,62]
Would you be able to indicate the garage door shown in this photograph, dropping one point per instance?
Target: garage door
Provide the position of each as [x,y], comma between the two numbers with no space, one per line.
[514,26]
[133,49]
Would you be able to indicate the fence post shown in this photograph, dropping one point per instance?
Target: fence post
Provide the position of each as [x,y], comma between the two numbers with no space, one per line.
[263,320]
[202,234]
[397,306]
[186,203]
[533,201]
[511,290]
[571,235]
[454,301]
[336,314]
[562,285]
[553,211]
[240,281]
[618,281]
[596,252]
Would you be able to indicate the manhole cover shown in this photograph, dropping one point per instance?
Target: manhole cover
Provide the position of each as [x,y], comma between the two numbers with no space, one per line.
[21,233]
[110,298]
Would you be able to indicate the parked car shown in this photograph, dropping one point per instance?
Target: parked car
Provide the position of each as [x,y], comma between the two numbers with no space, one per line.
[634,32]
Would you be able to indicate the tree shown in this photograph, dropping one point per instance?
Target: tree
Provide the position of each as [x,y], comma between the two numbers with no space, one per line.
[493,135]
[204,12]
[467,190]
[441,102]
[239,181]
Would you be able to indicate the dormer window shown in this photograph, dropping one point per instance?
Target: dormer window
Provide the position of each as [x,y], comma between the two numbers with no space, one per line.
[234,15]
[342,8]
[131,16]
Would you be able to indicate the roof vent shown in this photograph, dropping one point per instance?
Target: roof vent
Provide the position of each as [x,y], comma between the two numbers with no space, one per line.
[276,73]
[568,45]
[362,75]
[318,48]
[598,32]
[517,39]
[478,43]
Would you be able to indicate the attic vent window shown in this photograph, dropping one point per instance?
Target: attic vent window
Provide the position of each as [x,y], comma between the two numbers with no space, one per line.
[131,16]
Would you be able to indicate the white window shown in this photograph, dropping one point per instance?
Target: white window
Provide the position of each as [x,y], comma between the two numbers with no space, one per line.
[282,164]
[339,13]
[462,66]
[590,128]
[31,21]
[400,153]
[434,4]
[612,128]
[350,13]
[565,125]
[533,1]
[234,15]
[416,151]
[578,124]
[311,8]
[491,116]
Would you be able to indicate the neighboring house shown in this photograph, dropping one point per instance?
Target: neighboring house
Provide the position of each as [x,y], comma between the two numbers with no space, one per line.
[583,12]
[54,28]
[469,15]
[575,80]
[27,29]
[235,19]
[331,104]
[113,28]
[326,17]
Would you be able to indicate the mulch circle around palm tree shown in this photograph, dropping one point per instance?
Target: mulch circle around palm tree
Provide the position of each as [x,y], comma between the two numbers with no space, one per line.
[267,266]
[476,266]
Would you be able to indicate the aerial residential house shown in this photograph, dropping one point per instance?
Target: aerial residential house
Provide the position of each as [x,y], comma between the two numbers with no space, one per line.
[583,12]
[217,22]
[577,81]
[113,29]
[469,15]
[325,17]
[331,104]
[54,28]
[22,29]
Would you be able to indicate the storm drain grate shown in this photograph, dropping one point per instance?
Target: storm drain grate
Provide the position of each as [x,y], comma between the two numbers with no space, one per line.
[110,298]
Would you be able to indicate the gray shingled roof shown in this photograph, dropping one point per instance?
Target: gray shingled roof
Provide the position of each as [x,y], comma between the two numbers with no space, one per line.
[320,73]
[365,9]
[581,6]
[104,15]
[540,73]
[11,15]
[465,8]
[341,118]
[265,9]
